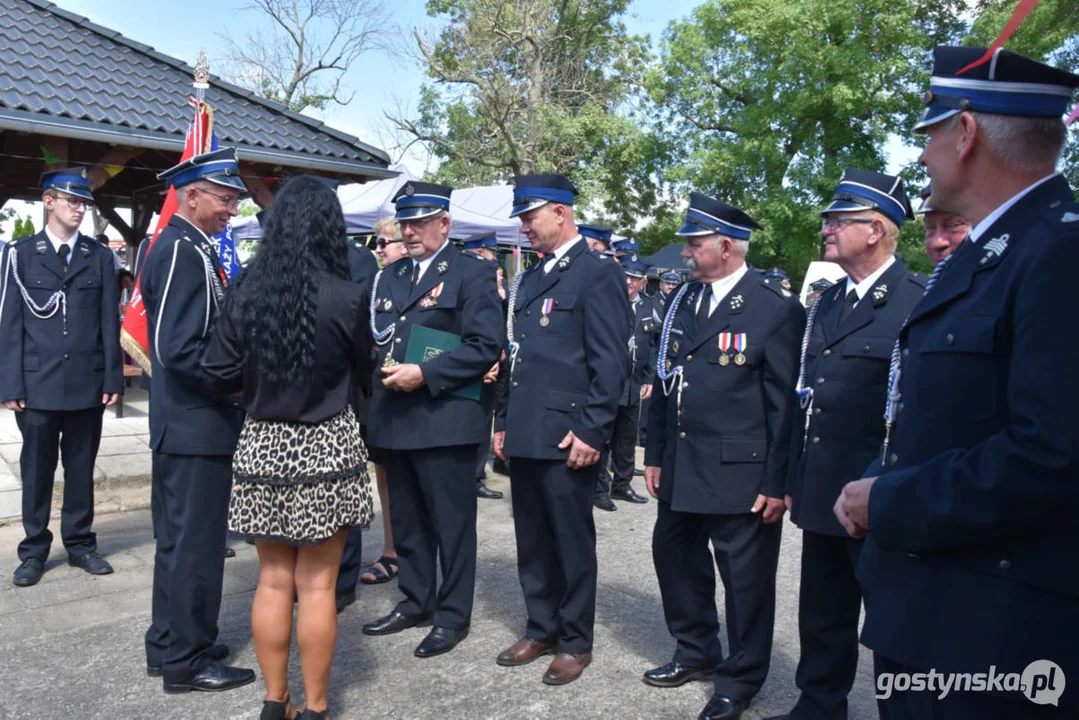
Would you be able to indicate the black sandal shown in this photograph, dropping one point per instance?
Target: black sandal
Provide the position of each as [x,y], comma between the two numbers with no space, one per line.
[380,575]
[309,714]
[273,710]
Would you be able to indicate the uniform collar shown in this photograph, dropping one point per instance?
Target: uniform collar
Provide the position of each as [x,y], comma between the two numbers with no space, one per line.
[559,252]
[721,287]
[424,264]
[985,224]
[866,285]
[58,241]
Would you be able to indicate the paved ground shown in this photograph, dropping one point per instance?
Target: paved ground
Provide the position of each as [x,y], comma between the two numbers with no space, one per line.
[71,647]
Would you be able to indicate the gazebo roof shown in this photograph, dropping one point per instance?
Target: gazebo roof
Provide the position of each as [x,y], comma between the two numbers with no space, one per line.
[62,76]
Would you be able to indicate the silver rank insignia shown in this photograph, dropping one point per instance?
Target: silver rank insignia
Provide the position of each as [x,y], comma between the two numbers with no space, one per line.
[1070,217]
[996,246]
[387,304]
[443,267]
[879,292]
[402,270]
[563,263]
[737,301]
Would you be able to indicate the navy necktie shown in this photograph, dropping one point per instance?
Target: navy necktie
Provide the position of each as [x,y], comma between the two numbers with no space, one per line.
[706,305]
[63,251]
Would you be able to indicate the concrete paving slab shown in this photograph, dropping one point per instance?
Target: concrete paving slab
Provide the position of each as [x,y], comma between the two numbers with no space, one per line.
[123,445]
[72,646]
[128,466]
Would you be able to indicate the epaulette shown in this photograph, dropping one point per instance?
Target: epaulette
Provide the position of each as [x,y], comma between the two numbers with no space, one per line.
[20,240]
[775,286]
[918,278]
[1063,215]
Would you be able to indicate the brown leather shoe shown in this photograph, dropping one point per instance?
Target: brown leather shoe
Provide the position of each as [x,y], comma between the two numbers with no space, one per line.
[566,667]
[524,651]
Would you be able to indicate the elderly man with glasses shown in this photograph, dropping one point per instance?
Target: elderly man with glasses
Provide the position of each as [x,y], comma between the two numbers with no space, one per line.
[843,377]
[59,367]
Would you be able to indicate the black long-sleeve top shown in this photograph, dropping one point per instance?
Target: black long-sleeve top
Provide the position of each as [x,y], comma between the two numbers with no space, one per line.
[342,351]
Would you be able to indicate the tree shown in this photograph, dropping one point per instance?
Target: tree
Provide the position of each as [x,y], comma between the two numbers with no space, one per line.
[523,87]
[301,58]
[23,227]
[771,99]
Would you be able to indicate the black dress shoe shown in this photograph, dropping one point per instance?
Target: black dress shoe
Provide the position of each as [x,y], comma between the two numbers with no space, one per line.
[605,504]
[29,572]
[485,492]
[214,678]
[722,708]
[675,674]
[344,600]
[440,640]
[92,563]
[628,495]
[638,472]
[217,653]
[392,623]
[229,552]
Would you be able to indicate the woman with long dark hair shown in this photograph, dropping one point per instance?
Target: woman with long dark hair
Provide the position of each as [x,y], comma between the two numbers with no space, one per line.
[292,336]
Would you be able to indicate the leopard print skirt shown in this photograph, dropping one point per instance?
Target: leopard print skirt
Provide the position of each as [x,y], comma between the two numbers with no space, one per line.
[299,483]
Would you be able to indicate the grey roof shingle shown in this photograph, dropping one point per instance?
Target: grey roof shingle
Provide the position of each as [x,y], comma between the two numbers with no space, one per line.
[60,68]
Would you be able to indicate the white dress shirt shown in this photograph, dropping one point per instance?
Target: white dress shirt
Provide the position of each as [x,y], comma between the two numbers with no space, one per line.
[863,287]
[57,241]
[559,252]
[424,264]
[721,288]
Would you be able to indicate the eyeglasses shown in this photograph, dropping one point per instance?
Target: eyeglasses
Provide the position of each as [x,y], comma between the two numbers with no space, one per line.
[415,224]
[383,242]
[837,222]
[75,203]
[232,204]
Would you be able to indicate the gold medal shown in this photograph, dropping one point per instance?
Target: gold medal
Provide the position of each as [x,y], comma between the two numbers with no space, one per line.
[739,359]
[545,321]
[724,359]
[389,362]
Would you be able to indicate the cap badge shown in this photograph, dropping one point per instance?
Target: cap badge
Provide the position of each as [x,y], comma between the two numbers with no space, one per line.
[409,190]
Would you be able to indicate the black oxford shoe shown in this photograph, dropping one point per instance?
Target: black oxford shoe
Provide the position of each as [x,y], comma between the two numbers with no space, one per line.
[92,563]
[214,678]
[217,653]
[485,492]
[628,495]
[675,674]
[604,504]
[440,640]
[392,623]
[722,708]
[29,572]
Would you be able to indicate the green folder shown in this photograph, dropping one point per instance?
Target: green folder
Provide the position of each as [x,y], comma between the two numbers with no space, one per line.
[425,343]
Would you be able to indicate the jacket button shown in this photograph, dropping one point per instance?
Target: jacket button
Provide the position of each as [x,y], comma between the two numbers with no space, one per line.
[528,312]
[913,556]
[682,435]
[826,353]
[38,282]
[899,409]
[397,340]
[865,349]
[1005,565]
[685,385]
[893,459]
[514,383]
[754,456]
[403,318]
[906,352]
[949,338]
[816,411]
[523,336]
[820,381]
[65,333]
[67,356]
[573,405]
[689,358]
[816,441]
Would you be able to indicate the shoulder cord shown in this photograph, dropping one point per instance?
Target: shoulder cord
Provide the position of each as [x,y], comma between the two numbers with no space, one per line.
[674,375]
[805,394]
[58,300]
[383,337]
[511,311]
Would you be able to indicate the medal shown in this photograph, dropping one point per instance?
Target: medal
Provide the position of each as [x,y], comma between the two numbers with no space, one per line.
[740,346]
[548,305]
[724,346]
[387,304]
[389,362]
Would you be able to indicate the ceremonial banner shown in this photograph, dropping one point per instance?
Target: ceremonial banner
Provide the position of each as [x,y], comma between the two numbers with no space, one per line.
[223,243]
[135,334]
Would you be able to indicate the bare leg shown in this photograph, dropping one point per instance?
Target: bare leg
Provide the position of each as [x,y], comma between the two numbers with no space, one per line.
[271,615]
[316,620]
[388,549]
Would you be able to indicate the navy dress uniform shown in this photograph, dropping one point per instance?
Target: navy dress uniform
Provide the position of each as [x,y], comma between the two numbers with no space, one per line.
[641,348]
[59,353]
[192,434]
[972,560]
[570,323]
[362,268]
[719,429]
[431,435]
[842,385]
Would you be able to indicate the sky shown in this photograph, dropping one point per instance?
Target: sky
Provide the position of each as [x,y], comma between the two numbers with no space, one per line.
[381,83]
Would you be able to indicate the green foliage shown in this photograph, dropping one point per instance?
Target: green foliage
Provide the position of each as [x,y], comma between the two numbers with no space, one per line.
[23,227]
[248,207]
[531,86]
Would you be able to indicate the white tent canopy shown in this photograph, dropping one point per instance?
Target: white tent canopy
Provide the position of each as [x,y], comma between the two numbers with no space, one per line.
[474,211]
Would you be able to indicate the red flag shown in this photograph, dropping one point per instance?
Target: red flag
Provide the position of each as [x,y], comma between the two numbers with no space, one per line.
[135,333]
[1022,9]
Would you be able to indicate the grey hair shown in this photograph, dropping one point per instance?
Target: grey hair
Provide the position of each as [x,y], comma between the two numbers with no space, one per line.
[1023,144]
[740,246]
